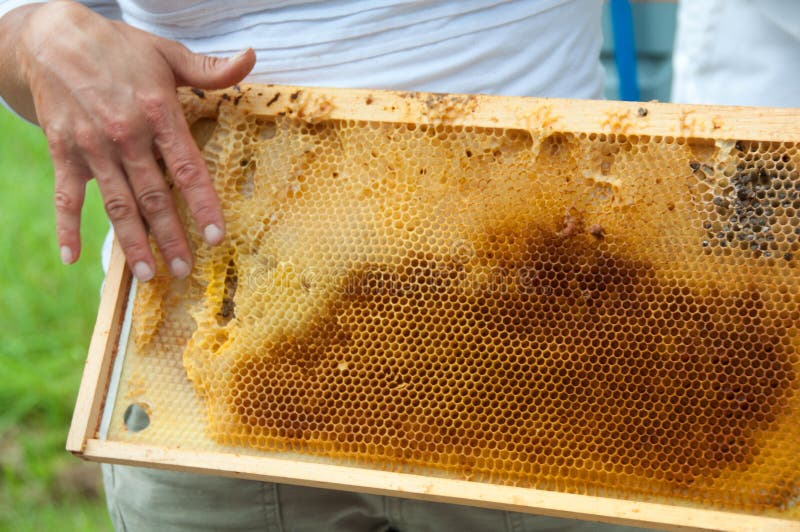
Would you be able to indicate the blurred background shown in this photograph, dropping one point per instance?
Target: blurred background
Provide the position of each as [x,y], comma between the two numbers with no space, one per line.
[47,311]
[653,27]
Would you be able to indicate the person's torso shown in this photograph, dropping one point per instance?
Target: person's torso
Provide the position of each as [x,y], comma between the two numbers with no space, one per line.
[526,47]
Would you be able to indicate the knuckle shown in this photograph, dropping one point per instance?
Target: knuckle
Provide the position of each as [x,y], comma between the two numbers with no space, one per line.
[209,64]
[57,136]
[55,129]
[155,107]
[119,208]
[186,174]
[65,203]
[171,243]
[86,138]
[154,201]
[133,246]
[121,130]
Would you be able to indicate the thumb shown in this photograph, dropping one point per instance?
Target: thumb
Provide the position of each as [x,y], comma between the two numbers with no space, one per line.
[204,71]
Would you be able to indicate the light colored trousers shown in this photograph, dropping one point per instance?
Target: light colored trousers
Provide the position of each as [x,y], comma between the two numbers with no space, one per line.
[151,500]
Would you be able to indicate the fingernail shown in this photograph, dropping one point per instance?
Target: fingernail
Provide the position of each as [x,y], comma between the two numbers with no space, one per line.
[239,55]
[66,255]
[179,267]
[142,271]
[213,234]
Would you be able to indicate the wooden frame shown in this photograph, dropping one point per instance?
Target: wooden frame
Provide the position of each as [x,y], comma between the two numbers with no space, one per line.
[102,352]
[545,114]
[531,114]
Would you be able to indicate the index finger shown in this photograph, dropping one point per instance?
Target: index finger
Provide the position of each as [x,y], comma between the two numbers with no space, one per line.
[188,170]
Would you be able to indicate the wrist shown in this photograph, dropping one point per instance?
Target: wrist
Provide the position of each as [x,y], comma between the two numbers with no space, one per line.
[13,86]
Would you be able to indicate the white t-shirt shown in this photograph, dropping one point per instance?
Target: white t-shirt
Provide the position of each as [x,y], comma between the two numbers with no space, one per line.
[737,52]
[523,47]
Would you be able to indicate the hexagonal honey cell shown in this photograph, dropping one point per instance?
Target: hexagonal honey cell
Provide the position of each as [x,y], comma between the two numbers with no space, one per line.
[590,313]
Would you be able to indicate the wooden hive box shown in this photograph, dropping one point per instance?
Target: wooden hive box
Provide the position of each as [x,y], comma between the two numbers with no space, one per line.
[574,308]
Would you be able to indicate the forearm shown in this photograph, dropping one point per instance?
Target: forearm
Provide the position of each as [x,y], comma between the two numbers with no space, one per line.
[13,87]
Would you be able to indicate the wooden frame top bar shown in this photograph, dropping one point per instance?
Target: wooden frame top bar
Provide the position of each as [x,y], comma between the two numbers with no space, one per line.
[534,114]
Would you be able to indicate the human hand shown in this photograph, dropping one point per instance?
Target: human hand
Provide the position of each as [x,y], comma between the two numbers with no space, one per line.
[104,95]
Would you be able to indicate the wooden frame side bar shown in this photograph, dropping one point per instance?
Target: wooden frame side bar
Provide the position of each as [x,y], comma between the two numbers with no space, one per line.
[433,489]
[102,350]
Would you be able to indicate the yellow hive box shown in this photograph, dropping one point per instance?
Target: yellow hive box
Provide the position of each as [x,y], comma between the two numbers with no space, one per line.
[575,308]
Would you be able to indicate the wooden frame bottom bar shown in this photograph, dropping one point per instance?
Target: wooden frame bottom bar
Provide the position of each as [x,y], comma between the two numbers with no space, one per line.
[431,489]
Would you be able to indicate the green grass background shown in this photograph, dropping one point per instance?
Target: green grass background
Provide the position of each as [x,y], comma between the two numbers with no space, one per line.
[46,316]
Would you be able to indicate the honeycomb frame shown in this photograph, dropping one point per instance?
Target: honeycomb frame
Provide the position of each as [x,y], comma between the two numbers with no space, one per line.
[706,146]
